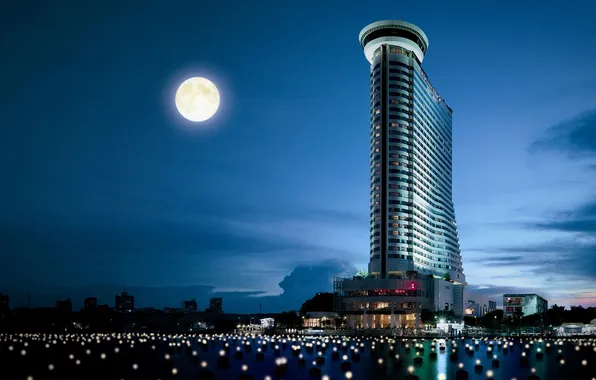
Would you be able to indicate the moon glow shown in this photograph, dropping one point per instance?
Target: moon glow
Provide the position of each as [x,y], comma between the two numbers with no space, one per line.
[197,99]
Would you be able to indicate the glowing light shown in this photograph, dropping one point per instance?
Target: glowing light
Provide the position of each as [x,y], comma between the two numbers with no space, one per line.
[197,99]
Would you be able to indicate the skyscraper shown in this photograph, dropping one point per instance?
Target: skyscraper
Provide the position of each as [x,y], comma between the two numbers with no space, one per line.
[415,261]
[412,220]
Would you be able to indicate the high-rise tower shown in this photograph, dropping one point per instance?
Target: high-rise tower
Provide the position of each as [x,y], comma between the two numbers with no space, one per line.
[412,221]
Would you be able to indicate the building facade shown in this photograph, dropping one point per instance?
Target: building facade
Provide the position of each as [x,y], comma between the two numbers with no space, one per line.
[527,304]
[415,260]
[412,220]
[125,302]
[216,305]
[90,303]
[476,305]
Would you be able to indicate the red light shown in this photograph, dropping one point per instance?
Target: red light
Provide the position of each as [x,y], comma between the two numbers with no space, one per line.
[413,286]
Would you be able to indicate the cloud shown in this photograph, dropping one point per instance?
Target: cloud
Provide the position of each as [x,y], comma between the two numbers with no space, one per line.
[576,137]
[581,220]
[499,260]
[557,257]
[304,278]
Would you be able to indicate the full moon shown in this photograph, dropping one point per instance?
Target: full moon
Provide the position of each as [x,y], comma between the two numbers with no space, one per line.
[197,99]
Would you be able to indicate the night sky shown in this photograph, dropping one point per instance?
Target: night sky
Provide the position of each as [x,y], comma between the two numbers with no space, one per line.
[105,186]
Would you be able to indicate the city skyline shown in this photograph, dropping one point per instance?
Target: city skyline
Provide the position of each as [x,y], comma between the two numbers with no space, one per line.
[108,187]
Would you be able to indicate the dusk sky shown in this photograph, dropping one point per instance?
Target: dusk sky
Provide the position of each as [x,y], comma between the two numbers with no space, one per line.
[105,185]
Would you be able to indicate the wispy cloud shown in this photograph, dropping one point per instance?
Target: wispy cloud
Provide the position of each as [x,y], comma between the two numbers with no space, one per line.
[575,137]
[554,251]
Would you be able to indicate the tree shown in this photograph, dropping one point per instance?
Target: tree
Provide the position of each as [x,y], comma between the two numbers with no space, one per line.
[493,319]
[447,277]
[362,273]
[555,315]
[320,302]
[427,316]
[289,319]
[470,321]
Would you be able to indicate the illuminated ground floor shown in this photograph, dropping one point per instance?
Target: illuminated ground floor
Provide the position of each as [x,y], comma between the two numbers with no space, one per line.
[380,321]
[373,303]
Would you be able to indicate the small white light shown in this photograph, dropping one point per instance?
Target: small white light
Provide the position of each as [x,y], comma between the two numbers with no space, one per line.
[135,366]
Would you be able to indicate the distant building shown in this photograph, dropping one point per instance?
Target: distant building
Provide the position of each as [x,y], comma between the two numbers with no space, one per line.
[476,305]
[189,305]
[216,305]
[527,304]
[4,303]
[65,305]
[125,302]
[90,303]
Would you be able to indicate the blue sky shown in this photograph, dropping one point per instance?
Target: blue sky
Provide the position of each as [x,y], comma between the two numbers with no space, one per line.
[106,186]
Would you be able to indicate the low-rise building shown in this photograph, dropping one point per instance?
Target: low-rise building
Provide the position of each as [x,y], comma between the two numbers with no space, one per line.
[90,303]
[397,301]
[568,329]
[477,305]
[320,319]
[216,305]
[528,304]
[190,305]
[125,302]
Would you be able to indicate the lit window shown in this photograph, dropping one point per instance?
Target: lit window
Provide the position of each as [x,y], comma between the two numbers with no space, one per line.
[377,112]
